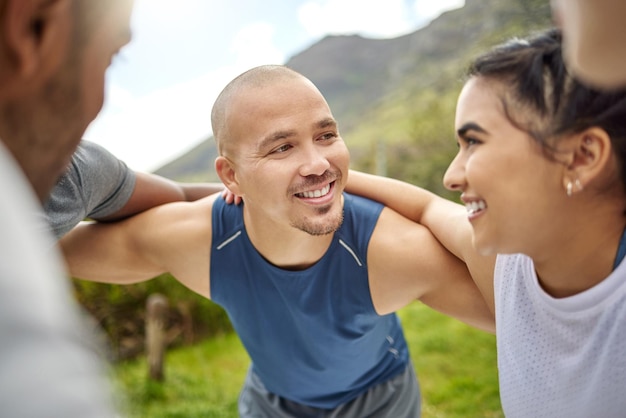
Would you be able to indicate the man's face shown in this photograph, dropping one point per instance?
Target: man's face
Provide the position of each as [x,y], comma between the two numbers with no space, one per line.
[290,162]
[108,33]
[49,120]
[83,78]
[594,39]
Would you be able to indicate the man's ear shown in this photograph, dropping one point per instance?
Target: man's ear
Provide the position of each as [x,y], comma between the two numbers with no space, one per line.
[36,35]
[226,172]
[589,153]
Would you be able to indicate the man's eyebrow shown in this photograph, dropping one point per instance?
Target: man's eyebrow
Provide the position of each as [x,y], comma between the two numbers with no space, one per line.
[327,123]
[470,126]
[276,136]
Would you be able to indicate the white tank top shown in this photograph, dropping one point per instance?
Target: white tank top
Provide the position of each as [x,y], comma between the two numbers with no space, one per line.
[560,357]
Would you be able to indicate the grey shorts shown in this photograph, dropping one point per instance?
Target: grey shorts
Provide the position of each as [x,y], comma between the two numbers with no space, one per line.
[398,397]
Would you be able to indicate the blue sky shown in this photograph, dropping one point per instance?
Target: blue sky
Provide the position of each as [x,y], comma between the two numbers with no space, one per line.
[161,87]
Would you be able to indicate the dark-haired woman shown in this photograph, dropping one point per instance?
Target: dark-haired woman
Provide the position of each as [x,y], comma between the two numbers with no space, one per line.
[541,172]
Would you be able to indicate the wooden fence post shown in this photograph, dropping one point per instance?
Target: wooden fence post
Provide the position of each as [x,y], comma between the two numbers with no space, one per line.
[156,307]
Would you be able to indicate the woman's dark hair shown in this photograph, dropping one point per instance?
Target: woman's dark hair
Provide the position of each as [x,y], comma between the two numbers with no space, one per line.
[543,99]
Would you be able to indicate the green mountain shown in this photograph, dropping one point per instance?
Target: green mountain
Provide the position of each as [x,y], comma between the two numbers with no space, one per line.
[395,98]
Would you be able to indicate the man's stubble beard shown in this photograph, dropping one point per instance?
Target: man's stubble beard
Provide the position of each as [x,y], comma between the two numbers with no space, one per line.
[319,228]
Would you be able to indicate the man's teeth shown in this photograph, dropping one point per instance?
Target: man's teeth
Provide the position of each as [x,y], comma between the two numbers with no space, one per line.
[473,207]
[315,193]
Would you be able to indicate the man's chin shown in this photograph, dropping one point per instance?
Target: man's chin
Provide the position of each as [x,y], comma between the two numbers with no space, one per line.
[320,228]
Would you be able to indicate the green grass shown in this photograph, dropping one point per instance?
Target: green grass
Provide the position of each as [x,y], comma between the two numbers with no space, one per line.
[456,366]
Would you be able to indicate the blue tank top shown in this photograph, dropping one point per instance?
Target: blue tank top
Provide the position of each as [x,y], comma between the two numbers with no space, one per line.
[313,335]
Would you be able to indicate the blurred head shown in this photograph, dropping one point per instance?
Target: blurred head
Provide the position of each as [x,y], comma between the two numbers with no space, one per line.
[280,149]
[530,135]
[594,39]
[53,59]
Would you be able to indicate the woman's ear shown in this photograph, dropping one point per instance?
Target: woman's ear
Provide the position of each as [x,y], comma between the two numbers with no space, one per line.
[225,169]
[589,153]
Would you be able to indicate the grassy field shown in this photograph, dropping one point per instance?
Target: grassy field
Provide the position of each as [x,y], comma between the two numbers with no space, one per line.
[456,366]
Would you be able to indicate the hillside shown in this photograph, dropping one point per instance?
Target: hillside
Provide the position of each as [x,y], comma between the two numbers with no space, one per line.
[394,98]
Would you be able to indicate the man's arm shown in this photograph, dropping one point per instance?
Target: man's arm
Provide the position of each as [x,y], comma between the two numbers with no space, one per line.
[446,220]
[174,238]
[406,263]
[153,190]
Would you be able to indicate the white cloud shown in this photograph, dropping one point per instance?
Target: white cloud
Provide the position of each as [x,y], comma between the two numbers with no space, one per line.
[174,43]
[253,45]
[428,9]
[368,17]
[118,98]
[148,131]
[160,13]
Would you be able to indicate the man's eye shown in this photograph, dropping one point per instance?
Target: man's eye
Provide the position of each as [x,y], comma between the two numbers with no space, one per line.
[327,136]
[281,149]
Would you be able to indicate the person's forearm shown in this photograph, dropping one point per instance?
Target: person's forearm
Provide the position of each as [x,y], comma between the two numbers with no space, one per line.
[441,216]
[152,190]
[195,191]
[408,200]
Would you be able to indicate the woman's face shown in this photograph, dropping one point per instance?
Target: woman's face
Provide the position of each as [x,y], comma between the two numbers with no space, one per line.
[512,191]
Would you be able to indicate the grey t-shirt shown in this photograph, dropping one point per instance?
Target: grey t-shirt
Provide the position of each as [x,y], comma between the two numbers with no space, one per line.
[95,185]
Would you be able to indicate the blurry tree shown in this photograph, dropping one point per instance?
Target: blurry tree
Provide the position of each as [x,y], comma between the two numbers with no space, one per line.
[119,310]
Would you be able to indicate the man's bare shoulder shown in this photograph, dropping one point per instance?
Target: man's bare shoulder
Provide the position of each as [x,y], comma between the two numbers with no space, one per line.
[184,241]
[403,258]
